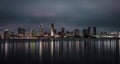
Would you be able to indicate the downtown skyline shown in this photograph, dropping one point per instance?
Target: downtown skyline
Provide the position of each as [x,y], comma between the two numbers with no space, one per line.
[53,33]
[30,33]
[59,31]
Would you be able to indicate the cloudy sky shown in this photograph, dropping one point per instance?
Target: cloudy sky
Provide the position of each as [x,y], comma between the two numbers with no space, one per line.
[104,14]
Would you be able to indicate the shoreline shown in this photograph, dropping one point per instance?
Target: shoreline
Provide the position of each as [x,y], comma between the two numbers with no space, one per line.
[52,38]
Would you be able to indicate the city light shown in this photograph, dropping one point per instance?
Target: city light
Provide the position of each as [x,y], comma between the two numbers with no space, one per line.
[76,33]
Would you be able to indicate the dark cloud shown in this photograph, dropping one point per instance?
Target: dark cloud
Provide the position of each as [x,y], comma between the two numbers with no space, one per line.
[73,13]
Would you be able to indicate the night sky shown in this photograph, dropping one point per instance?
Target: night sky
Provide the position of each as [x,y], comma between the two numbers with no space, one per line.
[71,14]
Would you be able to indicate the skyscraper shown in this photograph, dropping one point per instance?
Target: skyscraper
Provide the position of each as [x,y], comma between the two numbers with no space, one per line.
[52,33]
[76,33]
[21,30]
[6,34]
[89,31]
[62,32]
[41,30]
[85,33]
[30,32]
[62,29]
[94,30]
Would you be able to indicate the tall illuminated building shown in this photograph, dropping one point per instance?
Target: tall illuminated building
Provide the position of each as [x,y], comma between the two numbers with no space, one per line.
[6,34]
[41,30]
[52,33]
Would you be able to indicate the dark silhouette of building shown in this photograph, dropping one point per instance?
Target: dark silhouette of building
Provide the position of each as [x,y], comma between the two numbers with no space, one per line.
[0,36]
[45,33]
[85,33]
[62,32]
[89,31]
[76,33]
[94,31]
[67,33]
[41,30]
[71,33]
[59,33]
[21,30]
[62,29]
[12,35]
[55,31]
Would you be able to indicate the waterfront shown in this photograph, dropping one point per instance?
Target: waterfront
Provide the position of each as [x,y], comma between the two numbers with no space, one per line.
[60,51]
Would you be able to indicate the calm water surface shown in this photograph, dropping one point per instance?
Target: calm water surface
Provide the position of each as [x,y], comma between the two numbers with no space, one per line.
[60,51]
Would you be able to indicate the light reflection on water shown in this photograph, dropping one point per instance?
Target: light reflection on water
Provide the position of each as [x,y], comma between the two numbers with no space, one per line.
[60,51]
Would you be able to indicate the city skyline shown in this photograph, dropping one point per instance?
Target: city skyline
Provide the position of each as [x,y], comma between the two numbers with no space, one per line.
[46,28]
[57,27]
[59,31]
[29,33]
[63,32]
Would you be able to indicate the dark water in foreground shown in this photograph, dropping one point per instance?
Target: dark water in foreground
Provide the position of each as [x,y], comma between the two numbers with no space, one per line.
[67,51]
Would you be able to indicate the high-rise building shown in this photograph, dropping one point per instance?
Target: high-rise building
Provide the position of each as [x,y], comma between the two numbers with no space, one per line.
[34,32]
[55,31]
[94,30]
[6,34]
[41,30]
[89,31]
[30,32]
[62,29]
[62,32]
[67,33]
[52,33]
[85,33]
[21,30]
[76,33]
